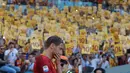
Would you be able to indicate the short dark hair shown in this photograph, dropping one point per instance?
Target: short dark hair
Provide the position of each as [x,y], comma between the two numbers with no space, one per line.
[101,69]
[11,43]
[104,55]
[53,39]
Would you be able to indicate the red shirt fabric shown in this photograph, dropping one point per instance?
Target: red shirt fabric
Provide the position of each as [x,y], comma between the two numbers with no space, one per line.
[44,65]
[100,1]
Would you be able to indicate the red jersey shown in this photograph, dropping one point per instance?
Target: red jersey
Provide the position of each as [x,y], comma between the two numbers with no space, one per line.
[44,65]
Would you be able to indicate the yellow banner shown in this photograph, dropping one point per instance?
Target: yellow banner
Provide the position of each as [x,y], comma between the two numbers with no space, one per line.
[86,49]
[69,48]
[35,44]
[22,39]
[83,32]
[105,47]
[95,47]
[118,50]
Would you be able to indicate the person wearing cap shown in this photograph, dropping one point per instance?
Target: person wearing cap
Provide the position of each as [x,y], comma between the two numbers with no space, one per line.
[44,63]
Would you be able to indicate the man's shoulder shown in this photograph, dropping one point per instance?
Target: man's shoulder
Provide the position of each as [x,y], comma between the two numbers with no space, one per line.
[107,62]
[7,51]
[42,57]
[15,49]
[42,60]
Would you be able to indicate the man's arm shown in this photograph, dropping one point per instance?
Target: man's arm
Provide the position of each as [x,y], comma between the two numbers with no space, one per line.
[2,62]
[17,54]
[6,55]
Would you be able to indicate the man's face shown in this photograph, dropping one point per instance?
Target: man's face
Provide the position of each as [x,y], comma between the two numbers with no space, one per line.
[58,49]
[31,58]
[104,58]
[98,71]
[11,46]
[85,57]
[1,50]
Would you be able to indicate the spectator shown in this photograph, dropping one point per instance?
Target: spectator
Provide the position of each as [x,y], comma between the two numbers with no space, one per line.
[94,61]
[75,65]
[99,70]
[29,64]
[122,60]
[11,55]
[104,63]
[3,63]
[85,62]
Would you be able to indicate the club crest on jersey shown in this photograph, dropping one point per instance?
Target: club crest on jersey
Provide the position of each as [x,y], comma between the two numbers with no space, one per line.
[45,68]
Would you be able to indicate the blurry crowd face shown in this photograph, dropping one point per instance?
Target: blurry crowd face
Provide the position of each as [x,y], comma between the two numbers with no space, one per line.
[85,57]
[31,58]
[104,58]
[17,46]
[11,46]
[1,50]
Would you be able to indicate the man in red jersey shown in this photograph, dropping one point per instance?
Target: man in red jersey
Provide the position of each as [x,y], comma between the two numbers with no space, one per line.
[53,50]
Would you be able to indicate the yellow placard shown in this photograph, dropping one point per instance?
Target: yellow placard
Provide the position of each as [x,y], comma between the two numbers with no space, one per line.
[118,49]
[22,29]
[22,39]
[69,48]
[26,48]
[46,36]
[83,32]
[105,47]
[86,49]
[35,44]
[95,47]
[116,37]
[82,39]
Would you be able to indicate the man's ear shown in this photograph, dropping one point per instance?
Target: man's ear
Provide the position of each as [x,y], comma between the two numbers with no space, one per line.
[52,46]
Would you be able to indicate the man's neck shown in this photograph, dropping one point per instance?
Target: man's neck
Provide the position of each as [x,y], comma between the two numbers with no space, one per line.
[48,54]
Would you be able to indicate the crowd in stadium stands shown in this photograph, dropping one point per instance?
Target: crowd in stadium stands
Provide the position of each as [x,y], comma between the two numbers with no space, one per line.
[14,60]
